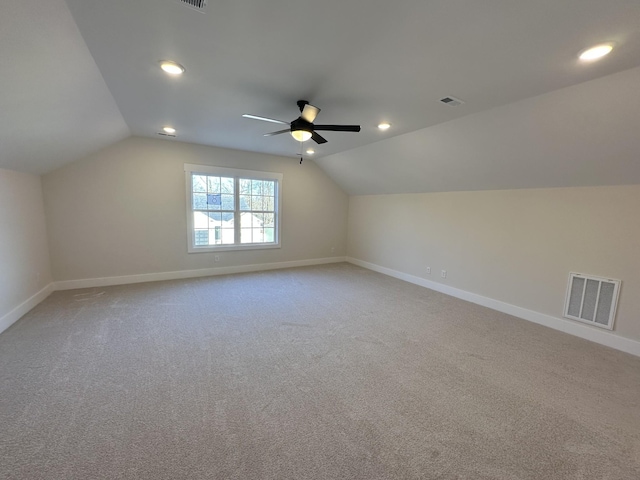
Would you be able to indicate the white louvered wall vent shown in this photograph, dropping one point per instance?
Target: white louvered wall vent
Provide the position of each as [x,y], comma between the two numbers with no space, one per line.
[592,300]
[195,4]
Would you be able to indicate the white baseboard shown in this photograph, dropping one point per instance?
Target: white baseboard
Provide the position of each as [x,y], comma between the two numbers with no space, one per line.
[14,315]
[574,328]
[10,318]
[578,329]
[204,272]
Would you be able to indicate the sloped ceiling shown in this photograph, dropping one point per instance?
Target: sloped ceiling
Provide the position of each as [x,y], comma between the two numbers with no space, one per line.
[54,104]
[534,115]
[583,135]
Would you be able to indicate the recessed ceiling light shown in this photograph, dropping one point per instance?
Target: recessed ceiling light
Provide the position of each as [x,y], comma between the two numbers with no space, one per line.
[171,68]
[594,53]
[169,130]
[311,151]
[384,126]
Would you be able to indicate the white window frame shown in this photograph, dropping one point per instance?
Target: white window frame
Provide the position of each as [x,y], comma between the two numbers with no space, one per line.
[236,173]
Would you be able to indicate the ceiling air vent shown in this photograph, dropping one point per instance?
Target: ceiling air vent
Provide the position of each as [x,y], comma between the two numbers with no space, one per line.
[592,300]
[172,135]
[195,4]
[451,101]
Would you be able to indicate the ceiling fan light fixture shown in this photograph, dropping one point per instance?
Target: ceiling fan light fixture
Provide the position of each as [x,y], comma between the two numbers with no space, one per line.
[172,68]
[301,135]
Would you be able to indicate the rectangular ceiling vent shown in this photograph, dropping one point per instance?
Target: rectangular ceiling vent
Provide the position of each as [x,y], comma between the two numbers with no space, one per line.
[592,300]
[451,101]
[195,4]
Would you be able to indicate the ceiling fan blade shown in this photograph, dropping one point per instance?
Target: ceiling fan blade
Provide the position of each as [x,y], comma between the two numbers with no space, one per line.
[309,113]
[338,128]
[317,138]
[277,133]
[265,119]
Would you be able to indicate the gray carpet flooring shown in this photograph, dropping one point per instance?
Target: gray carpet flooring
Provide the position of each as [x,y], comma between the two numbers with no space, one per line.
[328,372]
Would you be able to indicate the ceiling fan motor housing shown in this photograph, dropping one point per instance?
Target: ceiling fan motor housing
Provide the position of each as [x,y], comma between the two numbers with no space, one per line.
[301,124]
[303,128]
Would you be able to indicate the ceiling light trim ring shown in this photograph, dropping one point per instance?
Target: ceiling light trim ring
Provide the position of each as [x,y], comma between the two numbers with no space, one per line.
[171,67]
[596,52]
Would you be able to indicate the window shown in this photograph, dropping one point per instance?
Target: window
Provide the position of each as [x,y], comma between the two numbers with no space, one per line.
[231,209]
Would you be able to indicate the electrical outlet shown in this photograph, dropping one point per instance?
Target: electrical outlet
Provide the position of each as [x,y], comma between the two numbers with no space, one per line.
[428,270]
[216,258]
[443,274]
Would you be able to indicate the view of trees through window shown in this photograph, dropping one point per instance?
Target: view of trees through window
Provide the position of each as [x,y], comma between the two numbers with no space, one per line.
[232,211]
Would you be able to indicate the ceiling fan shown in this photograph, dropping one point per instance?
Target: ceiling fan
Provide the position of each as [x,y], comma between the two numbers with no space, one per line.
[302,128]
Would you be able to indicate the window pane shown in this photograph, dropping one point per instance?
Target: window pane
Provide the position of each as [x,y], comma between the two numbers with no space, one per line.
[227,219]
[245,186]
[201,237]
[245,202]
[256,203]
[199,183]
[227,202]
[226,185]
[245,235]
[258,235]
[227,236]
[200,220]
[199,201]
[256,187]
[214,201]
[245,220]
[217,235]
[215,220]
[213,184]
[221,218]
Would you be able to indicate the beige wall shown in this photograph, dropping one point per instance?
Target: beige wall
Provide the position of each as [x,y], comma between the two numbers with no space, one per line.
[122,211]
[24,255]
[516,246]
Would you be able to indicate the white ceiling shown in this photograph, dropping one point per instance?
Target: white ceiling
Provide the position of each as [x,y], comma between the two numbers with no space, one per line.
[360,61]
[583,135]
[54,104]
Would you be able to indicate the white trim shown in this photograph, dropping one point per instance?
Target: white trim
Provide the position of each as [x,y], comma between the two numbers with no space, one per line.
[205,272]
[231,172]
[593,334]
[236,173]
[14,315]
[587,332]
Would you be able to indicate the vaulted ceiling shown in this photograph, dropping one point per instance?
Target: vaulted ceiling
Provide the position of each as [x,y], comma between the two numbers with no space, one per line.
[82,74]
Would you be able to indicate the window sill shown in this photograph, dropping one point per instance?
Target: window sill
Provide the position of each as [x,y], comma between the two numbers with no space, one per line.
[226,248]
